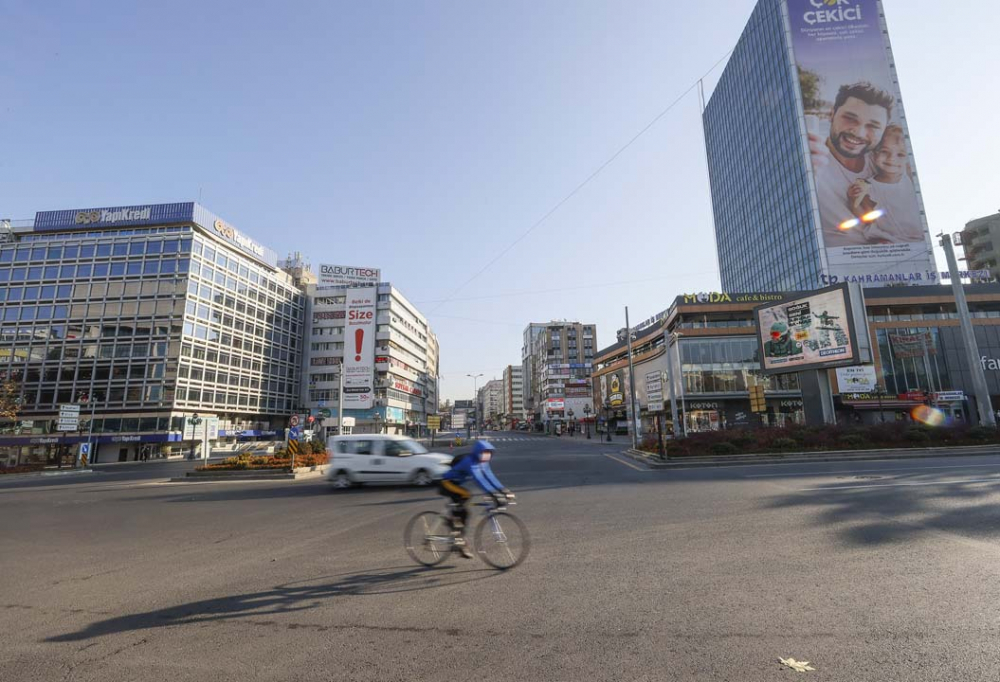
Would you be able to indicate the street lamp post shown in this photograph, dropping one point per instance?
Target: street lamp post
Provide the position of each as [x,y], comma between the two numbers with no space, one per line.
[475,399]
[572,422]
[879,392]
[607,418]
[194,421]
[377,418]
[586,419]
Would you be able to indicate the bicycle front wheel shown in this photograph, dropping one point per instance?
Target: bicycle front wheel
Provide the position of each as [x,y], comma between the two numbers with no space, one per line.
[502,540]
[428,538]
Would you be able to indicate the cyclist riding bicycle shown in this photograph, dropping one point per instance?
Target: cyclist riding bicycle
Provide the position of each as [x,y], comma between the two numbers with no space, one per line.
[475,465]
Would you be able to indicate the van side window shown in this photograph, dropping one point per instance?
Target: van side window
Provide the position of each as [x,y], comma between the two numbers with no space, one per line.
[362,447]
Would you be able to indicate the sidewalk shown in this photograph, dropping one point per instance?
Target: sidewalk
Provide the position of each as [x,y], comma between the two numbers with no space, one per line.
[654,462]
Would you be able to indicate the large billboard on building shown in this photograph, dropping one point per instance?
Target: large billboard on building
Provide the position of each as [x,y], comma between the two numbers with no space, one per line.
[359,348]
[816,331]
[347,276]
[871,212]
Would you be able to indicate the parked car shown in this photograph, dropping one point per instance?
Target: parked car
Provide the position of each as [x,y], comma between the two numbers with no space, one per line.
[379,458]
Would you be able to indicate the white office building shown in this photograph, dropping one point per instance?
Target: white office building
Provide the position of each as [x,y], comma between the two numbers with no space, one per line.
[405,363]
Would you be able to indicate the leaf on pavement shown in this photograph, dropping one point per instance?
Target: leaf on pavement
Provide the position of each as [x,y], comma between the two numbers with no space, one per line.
[797,666]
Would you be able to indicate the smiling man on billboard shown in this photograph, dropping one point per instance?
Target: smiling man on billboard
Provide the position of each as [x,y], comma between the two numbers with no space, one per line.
[870,209]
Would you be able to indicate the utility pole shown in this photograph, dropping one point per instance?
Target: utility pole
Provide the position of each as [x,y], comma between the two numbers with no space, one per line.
[475,402]
[986,416]
[340,401]
[634,426]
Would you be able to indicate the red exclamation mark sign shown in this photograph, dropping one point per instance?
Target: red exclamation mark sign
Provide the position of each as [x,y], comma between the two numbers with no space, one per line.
[359,337]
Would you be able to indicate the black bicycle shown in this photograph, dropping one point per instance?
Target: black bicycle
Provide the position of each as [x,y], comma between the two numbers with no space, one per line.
[500,539]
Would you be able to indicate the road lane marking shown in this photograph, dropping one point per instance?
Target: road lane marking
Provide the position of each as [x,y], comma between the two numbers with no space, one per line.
[874,471]
[628,464]
[995,479]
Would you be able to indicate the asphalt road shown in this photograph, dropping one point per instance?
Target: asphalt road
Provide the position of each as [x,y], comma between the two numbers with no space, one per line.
[869,570]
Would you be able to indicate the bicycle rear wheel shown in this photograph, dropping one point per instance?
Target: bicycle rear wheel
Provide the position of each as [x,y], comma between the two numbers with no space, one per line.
[428,538]
[502,540]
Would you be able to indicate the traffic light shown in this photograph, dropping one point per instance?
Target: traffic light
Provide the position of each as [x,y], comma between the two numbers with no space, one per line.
[758,402]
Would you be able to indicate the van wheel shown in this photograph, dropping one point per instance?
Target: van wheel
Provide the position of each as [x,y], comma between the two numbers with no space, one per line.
[341,481]
[422,478]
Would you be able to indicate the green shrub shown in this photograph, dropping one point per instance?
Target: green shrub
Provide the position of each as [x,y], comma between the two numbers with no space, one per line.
[853,440]
[785,443]
[743,440]
[916,436]
[982,433]
[724,449]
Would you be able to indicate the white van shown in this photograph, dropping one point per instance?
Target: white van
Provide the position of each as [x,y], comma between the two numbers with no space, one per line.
[379,458]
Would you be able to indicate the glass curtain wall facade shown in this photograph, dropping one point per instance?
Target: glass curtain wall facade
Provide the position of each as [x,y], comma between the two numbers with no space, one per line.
[143,326]
[725,366]
[242,335]
[763,202]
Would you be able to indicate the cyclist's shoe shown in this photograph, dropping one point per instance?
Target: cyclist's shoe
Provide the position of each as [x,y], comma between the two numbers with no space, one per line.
[463,548]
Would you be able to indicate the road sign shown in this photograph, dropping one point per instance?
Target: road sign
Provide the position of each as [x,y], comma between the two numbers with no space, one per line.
[68,423]
[293,421]
[212,427]
[293,433]
[324,413]
[434,423]
[84,448]
[949,396]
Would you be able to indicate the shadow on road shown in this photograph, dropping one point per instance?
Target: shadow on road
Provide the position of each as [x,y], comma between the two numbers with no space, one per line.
[898,513]
[287,598]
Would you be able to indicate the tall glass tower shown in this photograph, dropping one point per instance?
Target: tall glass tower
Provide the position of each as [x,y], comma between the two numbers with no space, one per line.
[812,175]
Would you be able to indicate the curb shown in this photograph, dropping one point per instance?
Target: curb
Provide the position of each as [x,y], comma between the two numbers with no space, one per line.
[654,462]
[45,474]
[261,475]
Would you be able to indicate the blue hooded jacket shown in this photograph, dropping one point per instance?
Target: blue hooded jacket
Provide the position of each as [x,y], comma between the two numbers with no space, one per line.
[472,465]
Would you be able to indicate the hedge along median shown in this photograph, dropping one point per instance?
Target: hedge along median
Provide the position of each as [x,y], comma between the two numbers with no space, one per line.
[821,439]
[277,462]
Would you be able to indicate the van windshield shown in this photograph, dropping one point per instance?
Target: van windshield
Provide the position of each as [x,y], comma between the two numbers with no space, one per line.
[411,446]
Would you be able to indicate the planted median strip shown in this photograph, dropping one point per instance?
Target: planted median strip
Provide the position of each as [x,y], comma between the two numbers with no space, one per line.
[261,467]
[808,439]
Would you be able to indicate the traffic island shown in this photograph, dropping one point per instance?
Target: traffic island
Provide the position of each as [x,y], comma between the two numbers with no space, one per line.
[260,468]
[283,474]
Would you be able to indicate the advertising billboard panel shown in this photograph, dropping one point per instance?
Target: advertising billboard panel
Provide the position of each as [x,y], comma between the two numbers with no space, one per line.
[871,212]
[815,331]
[860,379]
[616,389]
[359,348]
[347,275]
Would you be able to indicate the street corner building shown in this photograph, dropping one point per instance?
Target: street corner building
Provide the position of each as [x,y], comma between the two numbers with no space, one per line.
[143,316]
[367,342]
[813,178]
[703,355]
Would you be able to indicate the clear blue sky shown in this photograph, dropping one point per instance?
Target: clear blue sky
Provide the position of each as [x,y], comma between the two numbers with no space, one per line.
[424,136]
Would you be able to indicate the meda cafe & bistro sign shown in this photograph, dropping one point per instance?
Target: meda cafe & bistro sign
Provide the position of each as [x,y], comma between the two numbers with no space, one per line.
[722,297]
